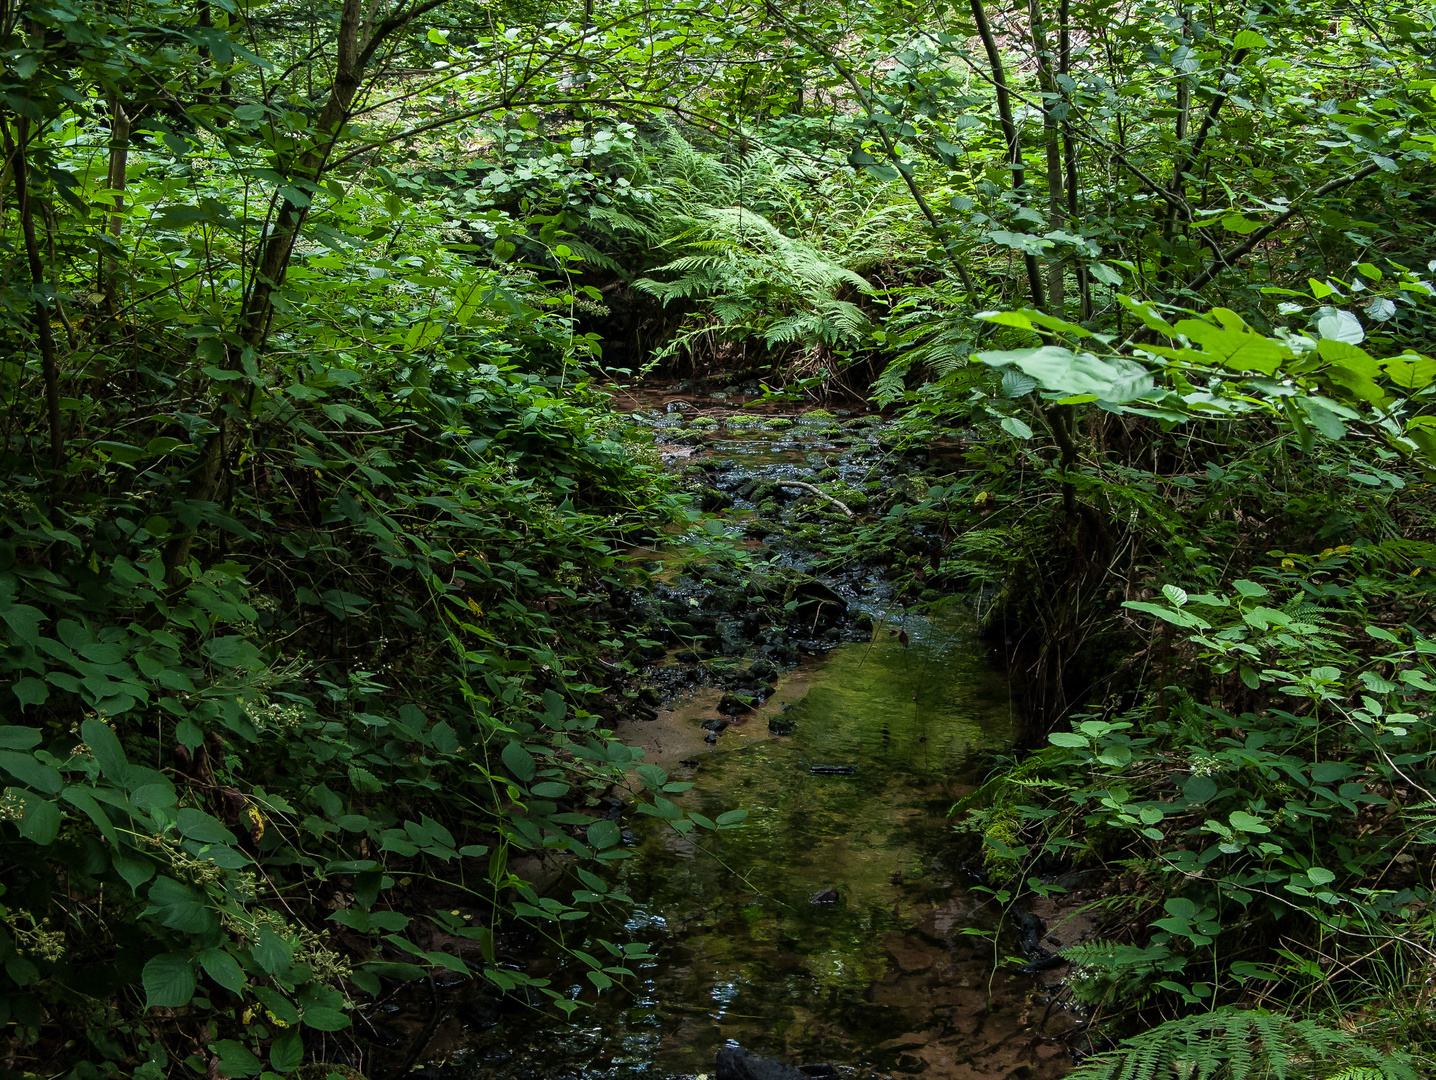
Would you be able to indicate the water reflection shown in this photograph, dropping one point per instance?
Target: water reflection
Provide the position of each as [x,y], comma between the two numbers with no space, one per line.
[744,953]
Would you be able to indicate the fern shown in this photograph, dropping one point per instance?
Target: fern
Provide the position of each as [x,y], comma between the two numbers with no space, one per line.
[1245,1044]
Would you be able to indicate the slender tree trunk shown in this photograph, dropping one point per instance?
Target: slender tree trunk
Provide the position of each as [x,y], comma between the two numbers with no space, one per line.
[1056,203]
[1069,152]
[1059,417]
[49,364]
[115,180]
[359,37]
[1011,136]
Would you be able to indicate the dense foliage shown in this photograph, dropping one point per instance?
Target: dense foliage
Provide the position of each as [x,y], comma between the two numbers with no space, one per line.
[315,615]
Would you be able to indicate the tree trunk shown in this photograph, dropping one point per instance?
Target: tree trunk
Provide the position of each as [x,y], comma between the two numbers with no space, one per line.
[49,365]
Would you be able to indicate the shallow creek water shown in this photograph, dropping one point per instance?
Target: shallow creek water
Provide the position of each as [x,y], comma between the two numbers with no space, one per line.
[829,929]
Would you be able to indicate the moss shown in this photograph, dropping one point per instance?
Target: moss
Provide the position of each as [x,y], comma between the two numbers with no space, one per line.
[703,422]
[817,416]
[1002,835]
[779,424]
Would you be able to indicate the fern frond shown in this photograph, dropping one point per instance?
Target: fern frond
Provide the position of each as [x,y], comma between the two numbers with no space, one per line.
[1239,1044]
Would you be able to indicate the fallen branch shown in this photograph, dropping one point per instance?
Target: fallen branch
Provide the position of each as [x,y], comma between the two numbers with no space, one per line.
[822,495]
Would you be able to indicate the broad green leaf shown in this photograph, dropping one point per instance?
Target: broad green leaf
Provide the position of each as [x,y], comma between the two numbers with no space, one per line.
[223,969]
[1199,789]
[40,823]
[272,953]
[168,980]
[235,1059]
[519,761]
[105,745]
[1247,823]
[1341,326]
[1060,370]
[286,1052]
[603,834]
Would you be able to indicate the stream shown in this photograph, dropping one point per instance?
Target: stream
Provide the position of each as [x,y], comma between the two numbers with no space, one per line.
[838,926]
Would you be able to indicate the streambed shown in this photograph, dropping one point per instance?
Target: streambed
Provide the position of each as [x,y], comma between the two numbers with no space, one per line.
[837,926]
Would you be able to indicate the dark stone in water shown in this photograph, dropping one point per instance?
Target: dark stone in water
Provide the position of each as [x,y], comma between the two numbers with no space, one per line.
[832,770]
[826,898]
[1031,928]
[716,724]
[732,704]
[764,670]
[735,1063]
[780,726]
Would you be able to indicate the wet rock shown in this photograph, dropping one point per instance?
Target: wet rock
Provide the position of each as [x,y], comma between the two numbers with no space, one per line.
[1031,928]
[764,670]
[735,1063]
[734,704]
[716,724]
[825,898]
[832,770]
[780,725]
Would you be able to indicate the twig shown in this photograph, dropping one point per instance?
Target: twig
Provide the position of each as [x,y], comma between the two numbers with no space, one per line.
[822,495]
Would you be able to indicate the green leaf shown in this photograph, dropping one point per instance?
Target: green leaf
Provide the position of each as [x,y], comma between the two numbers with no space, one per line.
[519,761]
[1247,823]
[1067,738]
[603,834]
[235,1059]
[1176,617]
[1341,326]
[272,953]
[1114,379]
[1105,274]
[24,623]
[31,691]
[1199,789]
[168,980]
[34,773]
[16,737]
[105,745]
[223,969]
[1323,419]
[322,1018]
[40,823]
[286,1053]
[197,825]
[1015,427]
[1006,318]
